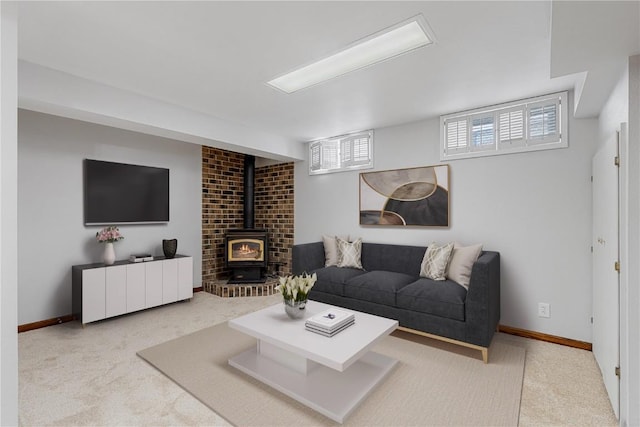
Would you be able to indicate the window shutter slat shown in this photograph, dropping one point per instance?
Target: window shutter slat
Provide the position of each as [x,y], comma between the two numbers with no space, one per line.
[316,162]
[457,136]
[511,127]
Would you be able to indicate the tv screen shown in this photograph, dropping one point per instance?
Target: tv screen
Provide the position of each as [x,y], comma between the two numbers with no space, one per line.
[117,193]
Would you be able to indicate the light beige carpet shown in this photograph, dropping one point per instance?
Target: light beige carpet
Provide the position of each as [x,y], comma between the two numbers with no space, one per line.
[436,384]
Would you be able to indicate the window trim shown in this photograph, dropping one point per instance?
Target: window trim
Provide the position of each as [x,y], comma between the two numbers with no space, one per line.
[344,164]
[560,140]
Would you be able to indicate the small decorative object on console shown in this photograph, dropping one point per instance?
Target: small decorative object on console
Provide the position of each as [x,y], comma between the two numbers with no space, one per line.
[109,235]
[294,290]
[140,257]
[169,247]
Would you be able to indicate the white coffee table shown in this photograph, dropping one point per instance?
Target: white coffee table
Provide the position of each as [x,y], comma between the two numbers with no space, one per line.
[330,375]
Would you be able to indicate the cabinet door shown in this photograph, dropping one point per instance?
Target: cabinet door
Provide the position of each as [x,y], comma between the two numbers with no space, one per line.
[153,283]
[116,290]
[185,278]
[135,287]
[169,280]
[93,295]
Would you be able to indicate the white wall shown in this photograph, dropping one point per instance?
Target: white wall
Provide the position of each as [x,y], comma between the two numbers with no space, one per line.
[51,234]
[615,110]
[8,214]
[533,208]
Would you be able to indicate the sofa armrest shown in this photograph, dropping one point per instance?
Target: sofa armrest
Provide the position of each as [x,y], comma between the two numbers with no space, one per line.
[307,257]
[482,306]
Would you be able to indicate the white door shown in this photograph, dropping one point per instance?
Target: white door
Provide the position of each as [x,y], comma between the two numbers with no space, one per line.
[606,302]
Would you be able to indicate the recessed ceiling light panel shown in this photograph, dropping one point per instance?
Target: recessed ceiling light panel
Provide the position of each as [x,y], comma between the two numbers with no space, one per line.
[386,44]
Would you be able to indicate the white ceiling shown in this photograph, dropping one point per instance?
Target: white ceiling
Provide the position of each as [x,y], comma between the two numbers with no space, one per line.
[215,57]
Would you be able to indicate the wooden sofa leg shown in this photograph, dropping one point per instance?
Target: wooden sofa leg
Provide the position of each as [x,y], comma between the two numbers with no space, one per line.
[484,350]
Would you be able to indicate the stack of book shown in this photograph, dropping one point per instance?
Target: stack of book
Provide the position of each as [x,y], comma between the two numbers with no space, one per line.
[330,322]
[140,257]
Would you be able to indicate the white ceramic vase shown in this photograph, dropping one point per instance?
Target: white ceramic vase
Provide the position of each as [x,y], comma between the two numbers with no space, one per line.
[109,253]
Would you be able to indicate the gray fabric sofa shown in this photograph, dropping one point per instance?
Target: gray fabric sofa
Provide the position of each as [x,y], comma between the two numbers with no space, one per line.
[390,286]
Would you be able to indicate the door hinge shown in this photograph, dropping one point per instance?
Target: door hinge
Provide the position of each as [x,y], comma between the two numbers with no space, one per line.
[618,371]
[616,266]
[616,161]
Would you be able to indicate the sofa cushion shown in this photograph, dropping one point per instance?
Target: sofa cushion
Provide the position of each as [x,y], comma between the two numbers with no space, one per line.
[435,261]
[349,253]
[401,259]
[330,244]
[377,286]
[332,279]
[443,298]
[461,263]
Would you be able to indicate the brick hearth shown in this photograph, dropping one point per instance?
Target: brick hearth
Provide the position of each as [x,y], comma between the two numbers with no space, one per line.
[222,289]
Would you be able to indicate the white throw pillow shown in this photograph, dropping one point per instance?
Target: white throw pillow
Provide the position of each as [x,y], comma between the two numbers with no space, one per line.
[331,255]
[461,263]
[350,253]
[434,263]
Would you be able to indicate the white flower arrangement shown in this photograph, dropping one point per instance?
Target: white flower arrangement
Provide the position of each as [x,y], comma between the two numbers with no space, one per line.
[296,288]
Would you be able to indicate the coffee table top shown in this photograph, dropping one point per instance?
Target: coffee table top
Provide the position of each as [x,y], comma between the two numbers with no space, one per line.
[272,325]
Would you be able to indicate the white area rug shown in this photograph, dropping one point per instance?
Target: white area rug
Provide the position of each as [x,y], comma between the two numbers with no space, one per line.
[435,383]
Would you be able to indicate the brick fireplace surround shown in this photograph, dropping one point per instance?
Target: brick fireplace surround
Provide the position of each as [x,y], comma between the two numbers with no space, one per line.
[222,204]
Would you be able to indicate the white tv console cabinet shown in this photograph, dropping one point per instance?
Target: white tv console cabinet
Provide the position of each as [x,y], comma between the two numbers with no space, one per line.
[101,291]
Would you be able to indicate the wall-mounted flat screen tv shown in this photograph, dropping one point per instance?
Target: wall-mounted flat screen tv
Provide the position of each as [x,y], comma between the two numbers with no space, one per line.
[117,193]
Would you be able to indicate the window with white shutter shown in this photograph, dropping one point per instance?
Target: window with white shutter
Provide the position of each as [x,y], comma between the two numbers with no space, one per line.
[543,122]
[483,135]
[526,125]
[511,132]
[315,160]
[341,153]
[457,138]
[330,155]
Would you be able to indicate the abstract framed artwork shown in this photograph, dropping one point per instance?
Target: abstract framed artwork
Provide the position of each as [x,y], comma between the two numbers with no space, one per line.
[405,197]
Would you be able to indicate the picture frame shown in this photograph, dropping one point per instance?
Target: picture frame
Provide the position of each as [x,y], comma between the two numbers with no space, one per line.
[406,197]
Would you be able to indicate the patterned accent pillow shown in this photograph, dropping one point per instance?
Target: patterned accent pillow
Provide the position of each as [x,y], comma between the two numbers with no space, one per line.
[434,263]
[349,253]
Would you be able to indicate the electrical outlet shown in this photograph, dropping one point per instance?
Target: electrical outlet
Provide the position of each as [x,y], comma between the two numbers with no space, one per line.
[543,309]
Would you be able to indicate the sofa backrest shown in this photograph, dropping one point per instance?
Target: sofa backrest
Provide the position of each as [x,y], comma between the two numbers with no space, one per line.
[397,258]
